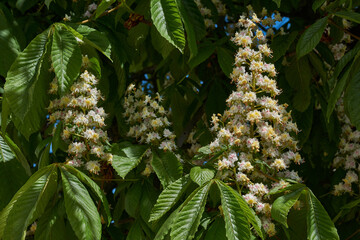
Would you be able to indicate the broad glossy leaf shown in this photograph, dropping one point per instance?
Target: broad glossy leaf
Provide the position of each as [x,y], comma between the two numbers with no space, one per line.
[216,230]
[133,198]
[80,208]
[247,211]
[169,197]
[319,224]
[236,223]
[188,219]
[27,85]
[18,153]
[166,18]
[127,157]
[166,226]
[281,44]
[28,203]
[352,16]
[166,166]
[352,100]
[201,175]
[311,37]
[94,188]
[283,204]
[9,46]
[66,57]
[92,37]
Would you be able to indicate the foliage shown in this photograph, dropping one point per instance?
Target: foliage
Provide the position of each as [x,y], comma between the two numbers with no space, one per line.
[124,119]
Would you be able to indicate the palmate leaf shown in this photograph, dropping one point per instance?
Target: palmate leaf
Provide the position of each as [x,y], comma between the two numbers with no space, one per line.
[201,175]
[282,205]
[94,188]
[188,219]
[80,208]
[311,37]
[66,57]
[237,214]
[166,226]
[169,197]
[166,166]
[28,203]
[166,18]
[127,157]
[319,224]
[27,84]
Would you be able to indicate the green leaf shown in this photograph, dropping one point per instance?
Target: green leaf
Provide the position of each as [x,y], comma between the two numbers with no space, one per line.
[9,46]
[166,18]
[319,224]
[66,58]
[352,16]
[302,99]
[160,44]
[28,203]
[126,157]
[24,5]
[92,37]
[236,223]
[201,175]
[105,4]
[241,206]
[311,37]
[18,153]
[278,2]
[281,44]
[169,197]
[352,101]
[132,199]
[203,54]
[166,166]
[27,85]
[216,230]
[188,219]
[194,24]
[226,60]
[12,174]
[80,208]
[94,188]
[51,225]
[135,232]
[317,4]
[164,229]
[283,204]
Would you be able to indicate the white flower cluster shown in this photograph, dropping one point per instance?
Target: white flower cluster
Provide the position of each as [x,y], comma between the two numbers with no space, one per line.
[339,49]
[265,20]
[206,13]
[255,129]
[82,122]
[348,155]
[148,119]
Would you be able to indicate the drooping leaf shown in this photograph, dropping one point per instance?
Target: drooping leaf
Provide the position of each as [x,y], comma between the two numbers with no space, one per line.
[132,199]
[135,232]
[283,204]
[28,203]
[169,197]
[352,16]
[18,153]
[127,157]
[66,57]
[226,60]
[24,5]
[188,219]
[12,174]
[166,18]
[317,4]
[216,230]
[80,208]
[203,54]
[166,166]
[352,101]
[201,175]
[236,223]
[9,46]
[94,188]
[281,44]
[311,37]
[165,228]
[319,224]
[27,84]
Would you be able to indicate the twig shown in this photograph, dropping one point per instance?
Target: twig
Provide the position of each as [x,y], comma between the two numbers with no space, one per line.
[104,13]
[344,30]
[266,175]
[353,235]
